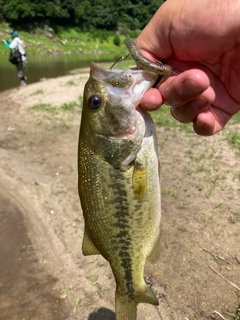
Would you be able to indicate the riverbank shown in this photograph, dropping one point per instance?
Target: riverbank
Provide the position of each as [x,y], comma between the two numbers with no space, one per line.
[68,41]
[200,215]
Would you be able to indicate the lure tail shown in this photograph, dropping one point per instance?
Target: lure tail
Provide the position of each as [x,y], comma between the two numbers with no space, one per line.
[126,307]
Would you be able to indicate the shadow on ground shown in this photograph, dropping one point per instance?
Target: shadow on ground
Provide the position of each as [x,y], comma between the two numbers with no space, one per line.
[102,314]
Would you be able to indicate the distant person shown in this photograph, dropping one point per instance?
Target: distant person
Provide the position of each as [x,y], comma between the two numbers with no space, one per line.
[17,56]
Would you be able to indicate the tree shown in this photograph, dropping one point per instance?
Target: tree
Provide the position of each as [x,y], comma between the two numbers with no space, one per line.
[97,14]
[86,14]
[27,11]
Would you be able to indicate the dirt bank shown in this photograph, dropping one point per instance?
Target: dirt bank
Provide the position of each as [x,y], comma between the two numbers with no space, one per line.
[200,205]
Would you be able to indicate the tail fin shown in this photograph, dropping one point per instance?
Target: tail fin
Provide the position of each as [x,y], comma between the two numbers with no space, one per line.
[126,307]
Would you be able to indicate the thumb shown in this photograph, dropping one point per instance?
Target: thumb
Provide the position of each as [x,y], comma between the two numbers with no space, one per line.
[153,41]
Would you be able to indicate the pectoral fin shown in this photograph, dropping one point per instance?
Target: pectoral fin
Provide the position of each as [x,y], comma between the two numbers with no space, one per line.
[88,248]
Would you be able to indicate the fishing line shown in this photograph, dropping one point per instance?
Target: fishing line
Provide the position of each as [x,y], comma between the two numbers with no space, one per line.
[121,58]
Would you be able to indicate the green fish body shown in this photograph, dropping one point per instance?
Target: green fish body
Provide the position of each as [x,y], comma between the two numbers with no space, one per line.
[119,185]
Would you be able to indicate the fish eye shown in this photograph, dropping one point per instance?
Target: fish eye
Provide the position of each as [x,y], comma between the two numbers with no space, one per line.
[95,102]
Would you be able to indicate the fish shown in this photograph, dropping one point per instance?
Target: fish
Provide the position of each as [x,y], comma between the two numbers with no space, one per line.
[119,181]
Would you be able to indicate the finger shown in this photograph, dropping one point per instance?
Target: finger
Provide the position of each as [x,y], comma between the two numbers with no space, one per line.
[176,90]
[151,100]
[206,123]
[183,88]
[188,112]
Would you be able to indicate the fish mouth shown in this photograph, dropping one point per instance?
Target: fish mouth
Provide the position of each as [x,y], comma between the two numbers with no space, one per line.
[123,134]
[127,135]
[137,79]
[121,118]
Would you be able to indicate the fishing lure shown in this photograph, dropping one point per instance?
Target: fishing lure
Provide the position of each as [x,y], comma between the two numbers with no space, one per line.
[143,62]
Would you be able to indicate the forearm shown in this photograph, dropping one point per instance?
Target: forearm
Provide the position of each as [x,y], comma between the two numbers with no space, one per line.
[7,44]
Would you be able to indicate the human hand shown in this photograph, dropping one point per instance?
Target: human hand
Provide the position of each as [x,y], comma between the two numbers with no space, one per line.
[200,39]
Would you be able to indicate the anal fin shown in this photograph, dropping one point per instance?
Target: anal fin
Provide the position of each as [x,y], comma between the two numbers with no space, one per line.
[146,296]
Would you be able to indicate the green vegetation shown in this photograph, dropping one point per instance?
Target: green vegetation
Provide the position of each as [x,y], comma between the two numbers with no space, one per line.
[47,108]
[234,139]
[56,117]
[78,302]
[89,26]
[63,295]
[233,135]
[85,15]
[37,92]
[68,40]
[44,107]
[163,117]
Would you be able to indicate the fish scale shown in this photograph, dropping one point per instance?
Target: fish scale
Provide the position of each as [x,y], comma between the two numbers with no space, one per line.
[119,184]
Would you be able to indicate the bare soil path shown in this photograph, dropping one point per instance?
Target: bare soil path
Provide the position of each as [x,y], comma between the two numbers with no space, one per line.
[43,274]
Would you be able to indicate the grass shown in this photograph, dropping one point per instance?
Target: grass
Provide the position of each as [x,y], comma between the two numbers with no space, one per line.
[235,119]
[233,135]
[234,217]
[57,118]
[182,228]
[48,108]
[200,216]
[63,295]
[44,107]
[233,138]
[70,107]
[164,118]
[71,83]
[36,92]
[77,303]
[172,193]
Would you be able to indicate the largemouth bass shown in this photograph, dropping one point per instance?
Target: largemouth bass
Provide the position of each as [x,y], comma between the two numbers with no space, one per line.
[119,185]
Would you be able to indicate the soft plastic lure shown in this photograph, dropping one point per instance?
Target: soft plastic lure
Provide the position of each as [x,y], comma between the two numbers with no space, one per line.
[143,62]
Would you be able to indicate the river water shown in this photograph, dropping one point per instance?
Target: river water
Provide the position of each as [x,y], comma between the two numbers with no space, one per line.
[47,66]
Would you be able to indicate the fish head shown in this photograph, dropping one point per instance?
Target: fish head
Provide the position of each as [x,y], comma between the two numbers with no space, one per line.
[112,124]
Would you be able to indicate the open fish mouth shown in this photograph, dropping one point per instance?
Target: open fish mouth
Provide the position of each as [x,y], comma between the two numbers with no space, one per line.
[124,78]
[121,92]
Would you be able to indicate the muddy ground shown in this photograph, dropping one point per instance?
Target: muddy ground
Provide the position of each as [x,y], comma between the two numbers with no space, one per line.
[43,274]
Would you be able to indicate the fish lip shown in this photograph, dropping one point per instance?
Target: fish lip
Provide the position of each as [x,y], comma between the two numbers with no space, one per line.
[113,136]
[101,74]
